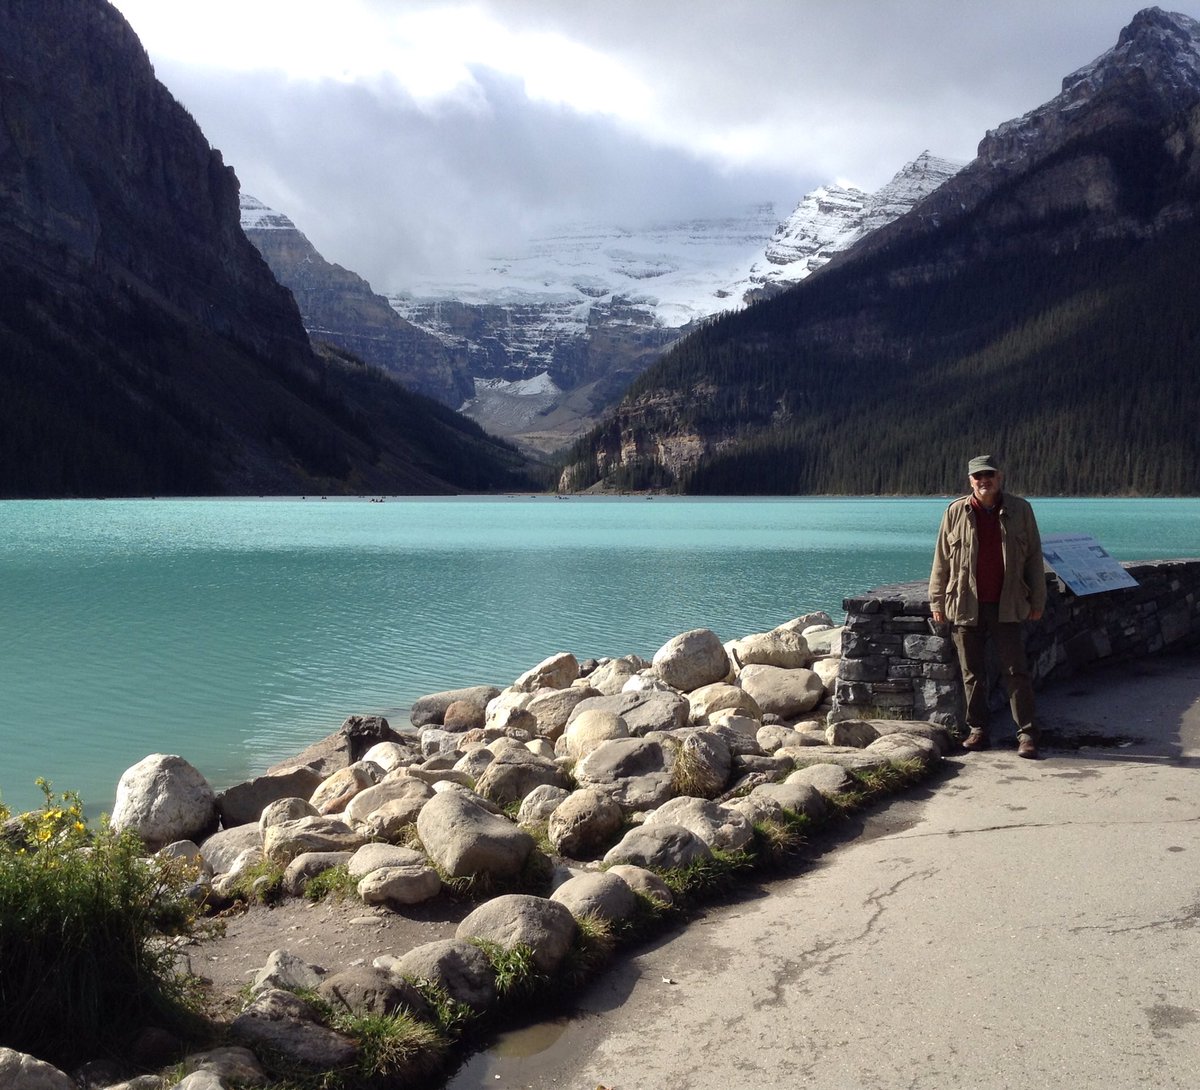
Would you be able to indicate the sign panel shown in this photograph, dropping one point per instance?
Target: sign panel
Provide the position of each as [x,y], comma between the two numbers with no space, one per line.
[1081,562]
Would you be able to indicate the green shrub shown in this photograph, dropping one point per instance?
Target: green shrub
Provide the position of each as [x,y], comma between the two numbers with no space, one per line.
[82,920]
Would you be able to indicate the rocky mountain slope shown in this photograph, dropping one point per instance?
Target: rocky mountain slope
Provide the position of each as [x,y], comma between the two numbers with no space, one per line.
[555,335]
[339,307]
[144,344]
[1040,302]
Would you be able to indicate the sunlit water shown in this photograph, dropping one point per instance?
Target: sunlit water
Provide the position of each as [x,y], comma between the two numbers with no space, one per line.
[235,632]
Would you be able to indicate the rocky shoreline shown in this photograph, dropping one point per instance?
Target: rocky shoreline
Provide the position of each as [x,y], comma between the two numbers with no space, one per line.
[595,783]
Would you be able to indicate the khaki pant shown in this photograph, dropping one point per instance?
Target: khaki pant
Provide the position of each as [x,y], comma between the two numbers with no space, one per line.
[1008,640]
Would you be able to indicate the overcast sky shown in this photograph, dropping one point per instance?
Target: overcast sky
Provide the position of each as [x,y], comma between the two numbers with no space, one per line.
[410,139]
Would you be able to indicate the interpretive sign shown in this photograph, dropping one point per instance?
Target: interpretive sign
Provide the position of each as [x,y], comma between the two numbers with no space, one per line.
[1081,562]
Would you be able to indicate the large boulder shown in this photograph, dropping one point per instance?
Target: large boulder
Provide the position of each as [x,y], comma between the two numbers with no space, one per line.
[584,824]
[390,756]
[458,967]
[659,847]
[692,659]
[800,798]
[242,803]
[786,693]
[286,970]
[785,648]
[162,798]
[223,847]
[349,743]
[609,677]
[585,731]
[602,895]
[431,710]
[858,733]
[464,838]
[824,640]
[334,793]
[519,919]
[283,842]
[739,732]
[515,772]
[830,780]
[633,771]
[464,715]
[290,1028]
[551,708]
[556,672]
[644,882]
[540,803]
[643,710]
[401,884]
[364,989]
[20,1071]
[406,795]
[375,856]
[307,865]
[718,826]
[710,700]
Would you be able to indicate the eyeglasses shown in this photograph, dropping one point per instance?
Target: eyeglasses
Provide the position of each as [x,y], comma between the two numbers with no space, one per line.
[984,475]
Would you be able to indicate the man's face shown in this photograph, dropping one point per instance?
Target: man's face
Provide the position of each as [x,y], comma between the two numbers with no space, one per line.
[985,486]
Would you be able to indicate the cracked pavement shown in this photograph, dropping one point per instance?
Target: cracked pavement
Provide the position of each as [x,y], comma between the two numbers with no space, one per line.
[1010,924]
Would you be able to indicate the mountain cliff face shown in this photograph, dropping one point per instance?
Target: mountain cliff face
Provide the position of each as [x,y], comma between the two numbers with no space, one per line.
[339,307]
[145,346]
[1039,302]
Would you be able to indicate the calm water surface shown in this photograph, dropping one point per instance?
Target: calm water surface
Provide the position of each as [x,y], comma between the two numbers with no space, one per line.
[235,632]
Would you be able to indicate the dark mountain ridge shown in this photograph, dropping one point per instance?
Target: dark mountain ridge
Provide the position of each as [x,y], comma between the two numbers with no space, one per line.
[1041,302]
[145,347]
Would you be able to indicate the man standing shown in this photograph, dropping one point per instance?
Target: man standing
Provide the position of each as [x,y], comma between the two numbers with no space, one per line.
[988,577]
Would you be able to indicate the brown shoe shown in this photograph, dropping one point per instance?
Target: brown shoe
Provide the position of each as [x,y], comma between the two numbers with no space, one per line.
[1026,746]
[976,740]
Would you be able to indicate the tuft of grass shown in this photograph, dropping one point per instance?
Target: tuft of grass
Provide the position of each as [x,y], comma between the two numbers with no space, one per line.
[872,784]
[776,840]
[394,1049]
[452,1017]
[262,882]
[336,882]
[595,943]
[689,774]
[82,921]
[707,877]
[518,978]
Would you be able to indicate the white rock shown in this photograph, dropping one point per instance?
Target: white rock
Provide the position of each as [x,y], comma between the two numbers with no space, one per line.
[692,659]
[163,798]
[786,693]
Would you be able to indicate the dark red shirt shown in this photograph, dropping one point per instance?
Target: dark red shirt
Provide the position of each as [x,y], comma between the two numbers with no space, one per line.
[989,566]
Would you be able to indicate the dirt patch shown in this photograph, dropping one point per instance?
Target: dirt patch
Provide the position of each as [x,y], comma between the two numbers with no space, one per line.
[333,934]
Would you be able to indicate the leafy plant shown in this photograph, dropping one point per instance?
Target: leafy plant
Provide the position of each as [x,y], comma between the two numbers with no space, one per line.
[336,881]
[82,917]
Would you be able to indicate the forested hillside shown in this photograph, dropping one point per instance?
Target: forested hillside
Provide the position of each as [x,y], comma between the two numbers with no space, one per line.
[1040,304]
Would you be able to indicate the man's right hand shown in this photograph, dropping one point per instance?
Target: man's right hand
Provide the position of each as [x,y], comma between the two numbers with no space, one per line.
[939,617]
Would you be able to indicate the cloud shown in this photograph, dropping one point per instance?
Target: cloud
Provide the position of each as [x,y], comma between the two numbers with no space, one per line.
[413,139]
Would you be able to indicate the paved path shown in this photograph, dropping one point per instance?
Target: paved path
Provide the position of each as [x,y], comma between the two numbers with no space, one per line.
[1017,924]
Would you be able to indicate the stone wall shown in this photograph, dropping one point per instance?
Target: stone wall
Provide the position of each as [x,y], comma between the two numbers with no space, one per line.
[895,662]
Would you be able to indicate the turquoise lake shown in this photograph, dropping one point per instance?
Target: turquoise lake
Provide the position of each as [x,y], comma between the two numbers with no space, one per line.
[236,632]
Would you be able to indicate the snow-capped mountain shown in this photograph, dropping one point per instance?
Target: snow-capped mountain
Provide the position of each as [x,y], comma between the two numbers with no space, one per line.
[584,311]
[833,218]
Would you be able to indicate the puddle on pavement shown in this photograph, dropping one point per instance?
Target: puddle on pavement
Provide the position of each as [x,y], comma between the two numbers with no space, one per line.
[517,1057]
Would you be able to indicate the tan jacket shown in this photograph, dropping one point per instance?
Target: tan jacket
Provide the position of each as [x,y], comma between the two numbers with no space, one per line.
[952,588]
